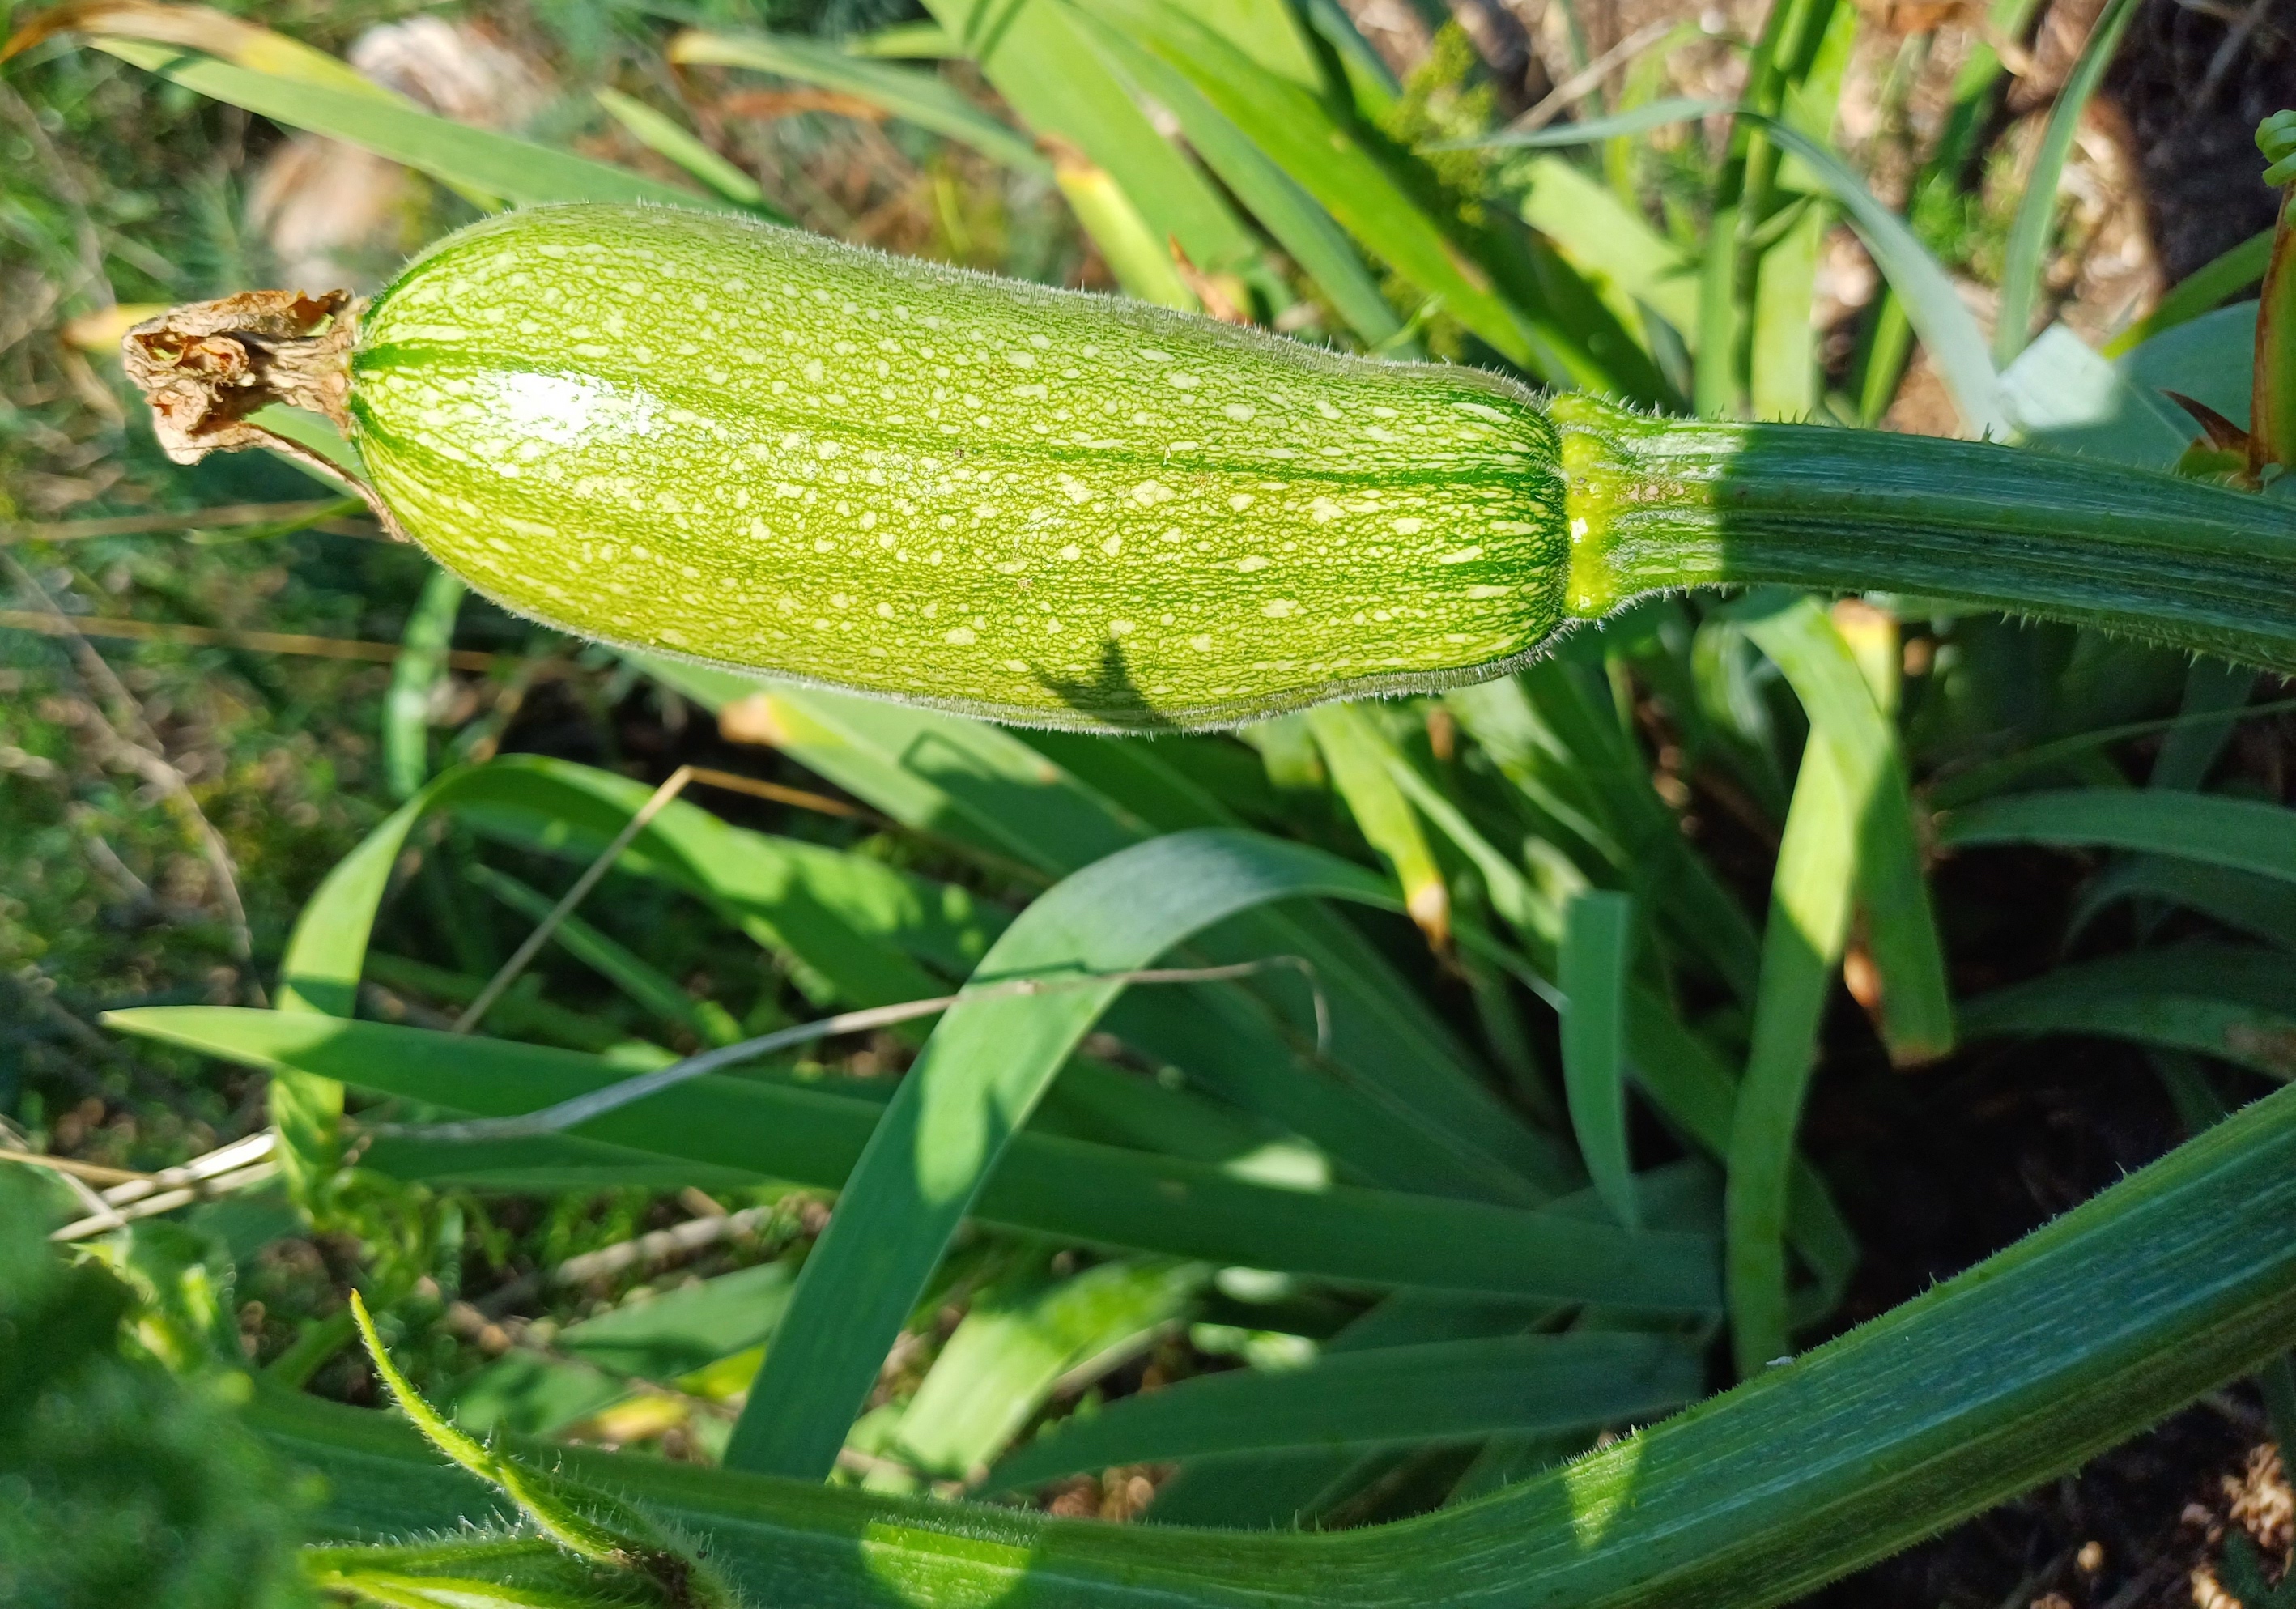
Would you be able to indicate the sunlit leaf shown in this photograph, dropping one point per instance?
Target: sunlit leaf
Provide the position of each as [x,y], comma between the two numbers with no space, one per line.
[1442,1392]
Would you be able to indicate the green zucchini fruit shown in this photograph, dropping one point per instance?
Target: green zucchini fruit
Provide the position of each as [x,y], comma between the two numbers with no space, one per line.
[699,435]
[694,434]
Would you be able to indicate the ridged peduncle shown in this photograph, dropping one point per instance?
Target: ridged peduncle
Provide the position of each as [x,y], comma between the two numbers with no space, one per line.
[1656,504]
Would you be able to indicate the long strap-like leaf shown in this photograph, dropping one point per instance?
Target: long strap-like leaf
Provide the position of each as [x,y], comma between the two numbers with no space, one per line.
[2172,1281]
[981,1074]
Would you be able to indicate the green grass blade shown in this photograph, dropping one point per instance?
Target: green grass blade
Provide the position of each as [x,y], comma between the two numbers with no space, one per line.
[2242,834]
[520,1011]
[1451,1391]
[1671,879]
[1641,119]
[1970,109]
[1955,344]
[2069,399]
[1688,1081]
[1534,915]
[2171,1282]
[1040,58]
[1228,1043]
[2234,1003]
[1141,261]
[1333,162]
[319,975]
[1726,674]
[1153,781]
[2030,230]
[925,41]
[664,136]
[1917,1013]
[1370,81]
[559,1165]
[598,1361]
[1094,1100]
[1717,391]
[1358,755]
[1784,369]
[831,902]
[1283,1488]
[878,933]
[1559,807]
[2256,906]
[920,97]
[1611,243]
[414,676]
[960,779]
[1011,1352]
[1809,922]
[2202,290]
[1274,34]
[517,170]
[1076,1191]
[308,429]
[2212,359]
[1783,378]
[982,1073]
[968,780]
[645,984]
[1594,971]
[1301,226]
[2214,696]
[1961,788]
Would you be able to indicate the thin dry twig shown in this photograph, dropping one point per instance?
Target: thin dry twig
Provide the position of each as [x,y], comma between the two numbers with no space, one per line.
[224,1161]
[149,758]
[92,1172]
[84,238]
[95,1204]
[258,642]
[582,1108]
[804,799]
[2235,40]
[130,1195]
[220,517]
[31,310]
[671,787]
[661,1245]
[168,1201]
[1587,78]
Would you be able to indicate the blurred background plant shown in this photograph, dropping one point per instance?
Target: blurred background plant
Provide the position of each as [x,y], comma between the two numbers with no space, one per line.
[2066,949]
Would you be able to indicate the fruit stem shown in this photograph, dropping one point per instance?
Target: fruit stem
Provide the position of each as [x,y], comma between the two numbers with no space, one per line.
[1656,504]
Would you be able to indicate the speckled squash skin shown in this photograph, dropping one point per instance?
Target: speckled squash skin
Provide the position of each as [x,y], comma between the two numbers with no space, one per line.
[698,435]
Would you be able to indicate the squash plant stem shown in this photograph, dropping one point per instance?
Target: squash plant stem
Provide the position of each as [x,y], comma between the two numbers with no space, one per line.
[1656,504]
